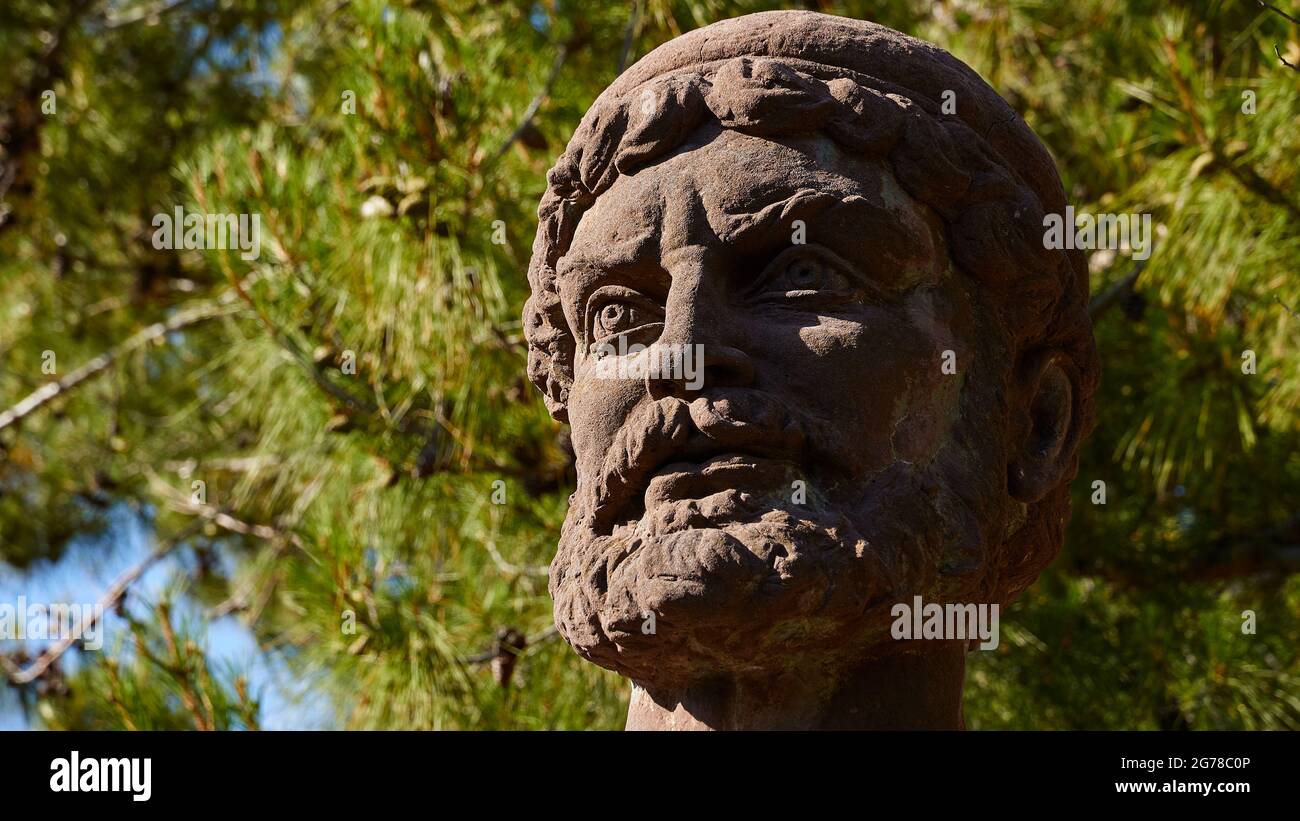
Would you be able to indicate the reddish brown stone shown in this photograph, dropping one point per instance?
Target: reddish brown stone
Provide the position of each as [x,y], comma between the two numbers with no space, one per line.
[786,191]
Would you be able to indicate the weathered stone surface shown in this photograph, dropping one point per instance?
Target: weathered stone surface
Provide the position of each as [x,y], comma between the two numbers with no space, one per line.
[785,191]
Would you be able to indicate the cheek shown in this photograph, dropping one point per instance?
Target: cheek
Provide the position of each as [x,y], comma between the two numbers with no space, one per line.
[597,409]
[877,384]
[931,400]
[883,372]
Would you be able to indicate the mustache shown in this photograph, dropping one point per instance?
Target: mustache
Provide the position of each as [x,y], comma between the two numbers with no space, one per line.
[668,430]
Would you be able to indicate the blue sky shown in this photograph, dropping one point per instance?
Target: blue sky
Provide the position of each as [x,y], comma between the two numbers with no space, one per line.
[85,571]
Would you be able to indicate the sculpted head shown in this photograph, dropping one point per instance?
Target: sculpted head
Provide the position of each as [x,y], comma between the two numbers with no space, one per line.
[885,375]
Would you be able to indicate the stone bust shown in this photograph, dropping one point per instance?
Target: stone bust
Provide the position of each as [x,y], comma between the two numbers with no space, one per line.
[823,213]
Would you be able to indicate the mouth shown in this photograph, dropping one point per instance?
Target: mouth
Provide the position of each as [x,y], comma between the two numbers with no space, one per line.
[740,443]
[680,480]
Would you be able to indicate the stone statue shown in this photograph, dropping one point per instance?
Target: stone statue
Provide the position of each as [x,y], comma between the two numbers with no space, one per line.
[841,227]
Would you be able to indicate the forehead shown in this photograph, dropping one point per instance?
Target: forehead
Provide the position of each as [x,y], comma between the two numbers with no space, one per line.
[741,193]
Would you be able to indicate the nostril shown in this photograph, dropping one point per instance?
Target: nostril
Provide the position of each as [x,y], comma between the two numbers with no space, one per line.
[685,371]
[701,368]
[726,366]
[727,375]
[661,387]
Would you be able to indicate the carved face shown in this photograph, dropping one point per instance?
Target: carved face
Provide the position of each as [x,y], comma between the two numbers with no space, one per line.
[867,376]
[773,506]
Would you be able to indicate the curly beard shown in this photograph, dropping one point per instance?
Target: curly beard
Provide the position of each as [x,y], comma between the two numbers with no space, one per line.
[751,581]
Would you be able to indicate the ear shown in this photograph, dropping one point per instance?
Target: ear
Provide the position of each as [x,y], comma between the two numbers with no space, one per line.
[1048,425]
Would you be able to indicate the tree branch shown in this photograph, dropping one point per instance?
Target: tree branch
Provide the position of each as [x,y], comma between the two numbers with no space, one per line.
[108,600]
[287,343]
[1271,551]
[499,646]
[1279,11]
[153,12]
[219,517]
[504,566]
[23,140]
[179,670]
[1286,307]
[1245,175]
[1102,302]
[181,319]
[532,109]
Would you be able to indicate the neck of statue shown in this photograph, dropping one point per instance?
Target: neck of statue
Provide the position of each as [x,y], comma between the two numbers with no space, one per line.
[907,691]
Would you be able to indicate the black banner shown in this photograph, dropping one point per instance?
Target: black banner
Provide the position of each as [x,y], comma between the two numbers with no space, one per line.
[333,770]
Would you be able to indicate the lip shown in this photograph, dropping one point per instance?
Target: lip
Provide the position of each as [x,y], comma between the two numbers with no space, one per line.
[695,480]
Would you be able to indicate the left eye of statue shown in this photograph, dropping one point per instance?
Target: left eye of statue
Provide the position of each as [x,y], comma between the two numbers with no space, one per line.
[804,274]
[804,270]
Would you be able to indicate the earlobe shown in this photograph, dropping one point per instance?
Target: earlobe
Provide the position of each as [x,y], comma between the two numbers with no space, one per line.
[1045,438]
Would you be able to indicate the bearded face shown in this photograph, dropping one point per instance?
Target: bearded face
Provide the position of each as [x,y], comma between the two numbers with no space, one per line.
[834,441]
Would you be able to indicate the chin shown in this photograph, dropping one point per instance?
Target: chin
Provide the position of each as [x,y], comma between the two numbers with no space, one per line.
[730,583]
[746,582]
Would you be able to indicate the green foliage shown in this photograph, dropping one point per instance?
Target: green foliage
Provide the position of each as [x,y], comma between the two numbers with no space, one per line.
[354,506]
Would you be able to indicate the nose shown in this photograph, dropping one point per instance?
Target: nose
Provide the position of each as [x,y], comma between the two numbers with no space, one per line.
[703,365]
[695,325]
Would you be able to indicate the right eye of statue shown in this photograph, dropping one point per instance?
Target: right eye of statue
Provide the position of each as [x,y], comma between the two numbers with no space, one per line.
[616,311]
[617,317]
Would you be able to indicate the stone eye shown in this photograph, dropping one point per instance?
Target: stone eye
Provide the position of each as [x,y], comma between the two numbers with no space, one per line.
[615,310]
[804,274]
[618,317]
[611,317]
[805,270]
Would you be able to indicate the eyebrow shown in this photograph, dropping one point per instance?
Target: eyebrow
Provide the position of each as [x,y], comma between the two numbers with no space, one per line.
[754,232]
[634,263]
[806,203]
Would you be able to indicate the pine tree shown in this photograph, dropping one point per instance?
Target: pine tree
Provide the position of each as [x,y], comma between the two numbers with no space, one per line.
[334,445]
